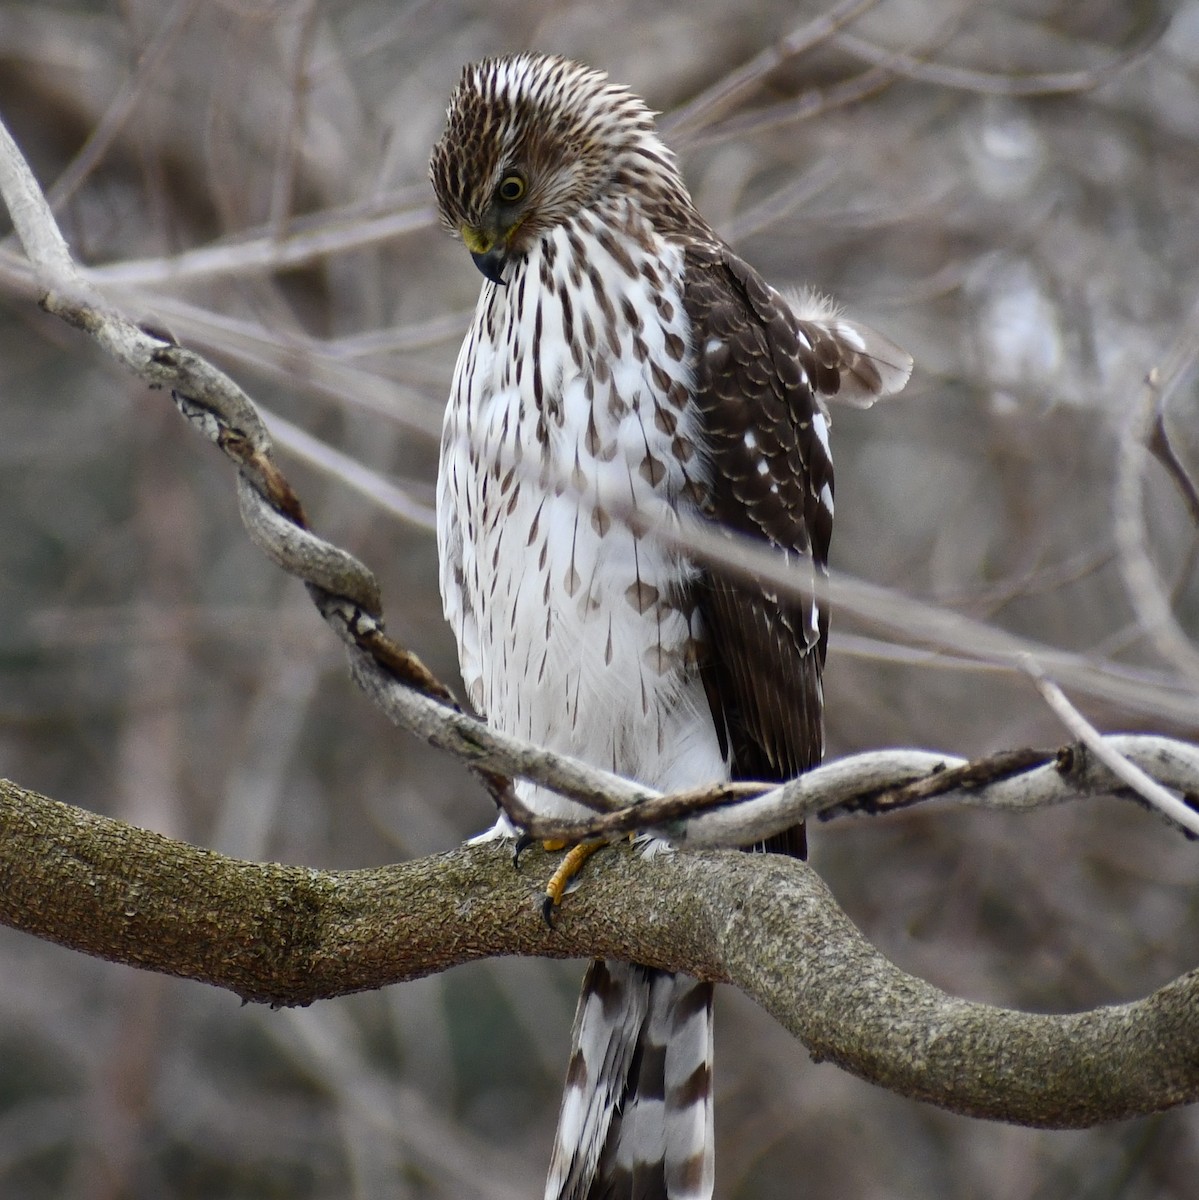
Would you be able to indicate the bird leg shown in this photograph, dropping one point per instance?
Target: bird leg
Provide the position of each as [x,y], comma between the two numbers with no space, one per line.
[567,869]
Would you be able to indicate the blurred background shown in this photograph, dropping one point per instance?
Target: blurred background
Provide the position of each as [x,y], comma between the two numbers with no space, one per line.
[1009,190]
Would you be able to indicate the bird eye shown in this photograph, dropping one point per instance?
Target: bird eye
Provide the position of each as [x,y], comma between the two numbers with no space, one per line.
[511,189]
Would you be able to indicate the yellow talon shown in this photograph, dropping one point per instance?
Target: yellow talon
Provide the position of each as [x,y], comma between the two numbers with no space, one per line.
[552,844]
[568,868]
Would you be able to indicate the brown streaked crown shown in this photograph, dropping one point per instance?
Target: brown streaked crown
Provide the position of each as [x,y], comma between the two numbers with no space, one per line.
[568,133]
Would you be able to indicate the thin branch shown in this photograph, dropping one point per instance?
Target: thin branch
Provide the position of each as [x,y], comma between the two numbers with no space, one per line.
[1006,83]
[797,193]
[332,232]
[1147,788]
[882,781]
[814,102]
[38,232]
[735,85]
[287,164]
[804,107]
[700,121]
[921,623]
[975,643]
[296,361]
[1162,449]
[372,486]
[1142,581]
[133,91]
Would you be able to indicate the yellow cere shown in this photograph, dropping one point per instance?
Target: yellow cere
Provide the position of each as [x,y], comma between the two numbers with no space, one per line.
[476,241]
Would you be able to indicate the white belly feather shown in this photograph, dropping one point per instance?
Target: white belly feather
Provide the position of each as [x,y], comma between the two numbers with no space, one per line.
[573,631]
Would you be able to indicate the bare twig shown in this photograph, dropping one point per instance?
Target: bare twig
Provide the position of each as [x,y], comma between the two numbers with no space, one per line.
[1162,449]
[1146,787]
[812,103]
[332,232]
[1142,581]
[804,107]
[292,358]
[1006,83]
[917,622]
[149,62]
[370,484]
[283,179]
[707,107]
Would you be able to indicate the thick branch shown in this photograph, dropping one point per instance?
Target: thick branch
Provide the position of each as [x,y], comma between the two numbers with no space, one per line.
[291,935]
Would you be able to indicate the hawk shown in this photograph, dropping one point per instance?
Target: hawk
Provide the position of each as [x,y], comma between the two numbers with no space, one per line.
[623,360]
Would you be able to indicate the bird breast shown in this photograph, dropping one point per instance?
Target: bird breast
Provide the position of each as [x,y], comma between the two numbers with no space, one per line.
[569,436]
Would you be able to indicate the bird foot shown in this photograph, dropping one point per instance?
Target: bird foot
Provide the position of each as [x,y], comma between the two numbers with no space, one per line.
[566,871]
[525,840]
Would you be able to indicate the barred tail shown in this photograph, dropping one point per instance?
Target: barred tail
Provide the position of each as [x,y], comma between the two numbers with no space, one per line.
[636,1118]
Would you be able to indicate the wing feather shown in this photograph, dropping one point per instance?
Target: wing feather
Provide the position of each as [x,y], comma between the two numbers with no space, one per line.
[758,377]
[869,365]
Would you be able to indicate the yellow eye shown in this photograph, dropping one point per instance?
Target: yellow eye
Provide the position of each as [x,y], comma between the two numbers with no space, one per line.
[511,189]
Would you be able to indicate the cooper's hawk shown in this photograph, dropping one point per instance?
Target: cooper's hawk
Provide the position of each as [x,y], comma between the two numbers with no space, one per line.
[623,360]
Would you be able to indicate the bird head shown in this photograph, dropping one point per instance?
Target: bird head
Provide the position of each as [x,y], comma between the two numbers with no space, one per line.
[530,140]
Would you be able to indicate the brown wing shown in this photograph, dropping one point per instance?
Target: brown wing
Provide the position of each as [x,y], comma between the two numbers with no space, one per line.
[772,479]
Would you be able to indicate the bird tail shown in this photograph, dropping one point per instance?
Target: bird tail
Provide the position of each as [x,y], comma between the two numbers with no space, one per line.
[636,1118]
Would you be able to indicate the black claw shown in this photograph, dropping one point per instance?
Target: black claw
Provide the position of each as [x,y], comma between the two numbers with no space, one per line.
[547,910]
[523,842]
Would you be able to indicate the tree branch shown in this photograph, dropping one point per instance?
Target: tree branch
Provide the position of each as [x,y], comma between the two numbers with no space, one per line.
[1142,580]
[764,923]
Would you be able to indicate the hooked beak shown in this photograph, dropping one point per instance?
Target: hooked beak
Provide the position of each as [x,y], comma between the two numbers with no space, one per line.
[490,253]
[491,263]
